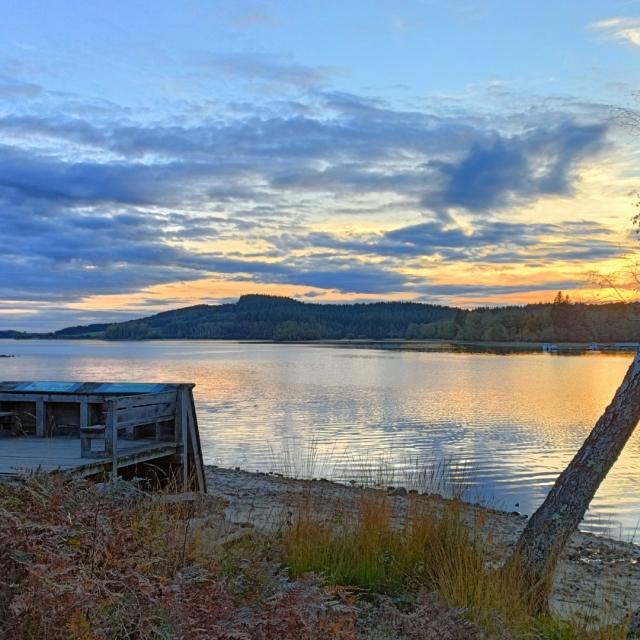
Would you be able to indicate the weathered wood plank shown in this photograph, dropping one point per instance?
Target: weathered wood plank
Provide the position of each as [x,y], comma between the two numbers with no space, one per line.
[147,414]
[40,417]
[144,399]
[48,397]
[177,427]
[195,444]
[63,454]
[84,414]
[184,427]
[112,437]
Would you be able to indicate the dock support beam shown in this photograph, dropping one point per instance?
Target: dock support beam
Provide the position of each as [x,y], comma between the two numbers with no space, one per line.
[84,414]
[112,435]
[184,432]
[40,418]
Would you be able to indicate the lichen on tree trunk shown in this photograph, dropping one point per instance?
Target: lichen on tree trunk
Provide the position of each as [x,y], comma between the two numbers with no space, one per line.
[550,527]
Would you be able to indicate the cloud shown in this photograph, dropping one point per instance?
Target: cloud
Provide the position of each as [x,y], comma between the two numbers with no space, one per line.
[249,17]
[264,67]
[502,171]
[11,89]
[429,291]
[53,179]
[488,242]
[349,146]
[620,28]
[105,201]
[52,252]
[91,182]
[44,317]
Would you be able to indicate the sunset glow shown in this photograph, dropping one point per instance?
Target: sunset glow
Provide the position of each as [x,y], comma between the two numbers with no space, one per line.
[376,151]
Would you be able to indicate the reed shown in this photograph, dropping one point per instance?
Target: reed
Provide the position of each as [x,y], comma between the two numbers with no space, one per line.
[448,477]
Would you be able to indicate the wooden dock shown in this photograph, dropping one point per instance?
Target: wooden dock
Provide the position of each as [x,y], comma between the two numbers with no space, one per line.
[100,429]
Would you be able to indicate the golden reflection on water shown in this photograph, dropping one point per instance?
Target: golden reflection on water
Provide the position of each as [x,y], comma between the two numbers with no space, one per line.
[515,420]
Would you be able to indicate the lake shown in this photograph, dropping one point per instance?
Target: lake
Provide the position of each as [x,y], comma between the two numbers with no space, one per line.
[512,422]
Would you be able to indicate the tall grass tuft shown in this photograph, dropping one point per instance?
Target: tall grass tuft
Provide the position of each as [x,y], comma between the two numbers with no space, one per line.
[372,549]
[349,551]
[366,548]
[448,477]
[304,461]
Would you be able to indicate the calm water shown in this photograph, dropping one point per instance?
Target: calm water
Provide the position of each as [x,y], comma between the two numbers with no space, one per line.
[515,420]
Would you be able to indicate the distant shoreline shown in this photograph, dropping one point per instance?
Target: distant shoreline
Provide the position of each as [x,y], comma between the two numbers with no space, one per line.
[263,318]
[392,344]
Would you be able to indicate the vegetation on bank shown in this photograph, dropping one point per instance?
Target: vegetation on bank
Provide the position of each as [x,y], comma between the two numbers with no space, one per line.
[80,563]
[258,317]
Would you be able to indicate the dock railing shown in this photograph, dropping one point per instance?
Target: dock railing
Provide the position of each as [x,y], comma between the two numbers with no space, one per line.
[109,423]
[168,416]
[148,414]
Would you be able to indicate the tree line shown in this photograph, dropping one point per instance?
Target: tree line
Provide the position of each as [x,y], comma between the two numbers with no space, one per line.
[260,317]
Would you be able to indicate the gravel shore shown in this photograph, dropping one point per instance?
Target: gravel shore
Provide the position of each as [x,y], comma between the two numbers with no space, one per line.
[597,576]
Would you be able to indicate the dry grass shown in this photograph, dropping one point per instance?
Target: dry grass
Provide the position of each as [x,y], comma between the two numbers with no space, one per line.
[82,564]
[433,550]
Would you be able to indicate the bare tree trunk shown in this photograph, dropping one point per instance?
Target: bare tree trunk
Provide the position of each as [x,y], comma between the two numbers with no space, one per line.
[550,527]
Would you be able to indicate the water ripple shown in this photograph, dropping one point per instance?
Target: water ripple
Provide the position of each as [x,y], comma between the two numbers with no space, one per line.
[514,421]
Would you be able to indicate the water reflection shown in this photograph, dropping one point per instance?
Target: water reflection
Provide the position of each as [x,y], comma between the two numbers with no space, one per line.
[515,420]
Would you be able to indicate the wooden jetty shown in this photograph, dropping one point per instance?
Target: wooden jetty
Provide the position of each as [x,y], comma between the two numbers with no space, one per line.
[590,346]
[101,429]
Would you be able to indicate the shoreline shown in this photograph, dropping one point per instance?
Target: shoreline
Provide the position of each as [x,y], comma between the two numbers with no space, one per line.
[391,344]
[596,575]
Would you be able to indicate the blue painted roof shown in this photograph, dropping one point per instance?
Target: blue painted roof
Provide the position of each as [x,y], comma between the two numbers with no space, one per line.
[106,388]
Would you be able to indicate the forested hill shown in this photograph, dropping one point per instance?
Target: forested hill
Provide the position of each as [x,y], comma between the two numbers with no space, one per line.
[258,317]
[275,318]
[11,334]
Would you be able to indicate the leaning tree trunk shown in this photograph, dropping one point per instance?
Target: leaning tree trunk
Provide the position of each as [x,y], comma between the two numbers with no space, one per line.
[550,527]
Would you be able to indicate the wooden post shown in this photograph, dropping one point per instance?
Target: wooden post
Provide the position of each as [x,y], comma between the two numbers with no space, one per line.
[111,432]
[184,428]
[176,424]
[40,418]
[84,413]
[195,444]
[85,441]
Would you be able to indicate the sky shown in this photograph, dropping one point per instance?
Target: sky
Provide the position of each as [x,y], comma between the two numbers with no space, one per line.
[158,154]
